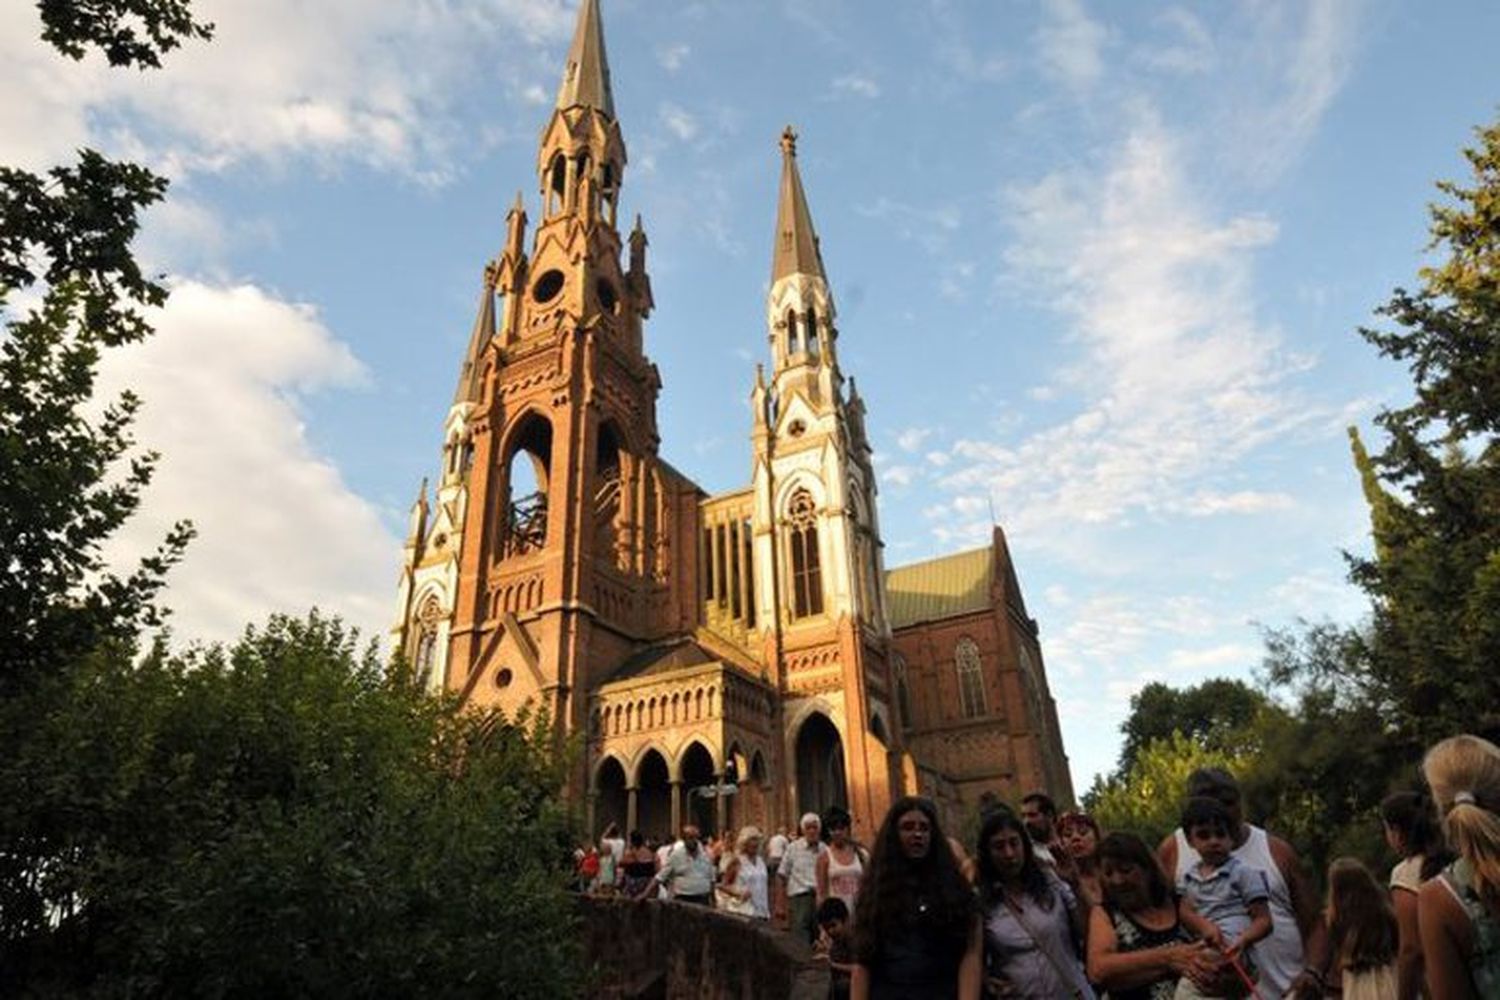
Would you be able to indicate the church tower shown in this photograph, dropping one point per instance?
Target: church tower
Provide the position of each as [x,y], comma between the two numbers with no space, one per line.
[820,598]
[552,491]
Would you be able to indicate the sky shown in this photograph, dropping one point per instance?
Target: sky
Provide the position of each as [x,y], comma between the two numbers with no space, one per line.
[1099,269]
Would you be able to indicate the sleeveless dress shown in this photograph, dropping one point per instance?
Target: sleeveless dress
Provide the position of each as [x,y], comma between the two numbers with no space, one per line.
[1131,936]
[1279,956]
[1484,964]
[637,875]
[843,880]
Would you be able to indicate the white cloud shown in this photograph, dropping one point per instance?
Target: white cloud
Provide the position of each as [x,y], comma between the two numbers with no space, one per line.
[1206,503]
[671,57]
[1298,58]
[1190,50]
[374,81]
[911,439]
[856,85]
[1177,378]
[1221,657]
[899,475]
[278,529]
[1070,44]
[677,120]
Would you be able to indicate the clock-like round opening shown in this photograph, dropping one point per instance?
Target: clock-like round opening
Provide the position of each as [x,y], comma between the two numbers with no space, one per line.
[547,286]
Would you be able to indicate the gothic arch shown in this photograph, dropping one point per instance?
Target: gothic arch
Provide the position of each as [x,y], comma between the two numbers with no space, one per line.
[800,479]
[606,757]
[527,484]
[818,749]
[686,748]
[969,671]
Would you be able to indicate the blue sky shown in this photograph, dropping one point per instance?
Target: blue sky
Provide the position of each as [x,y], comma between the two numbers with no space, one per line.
[1099,267]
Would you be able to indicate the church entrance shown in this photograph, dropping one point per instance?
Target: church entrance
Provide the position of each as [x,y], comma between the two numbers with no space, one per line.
[820,766]
[610,805]
[653,797]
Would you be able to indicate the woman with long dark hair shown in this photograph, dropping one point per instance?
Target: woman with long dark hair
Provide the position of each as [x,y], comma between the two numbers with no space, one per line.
[1033,922]
[916,934]
[1138,948]
[1411,830]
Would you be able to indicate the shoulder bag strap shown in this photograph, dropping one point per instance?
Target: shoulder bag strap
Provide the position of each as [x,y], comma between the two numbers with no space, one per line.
[1067,976]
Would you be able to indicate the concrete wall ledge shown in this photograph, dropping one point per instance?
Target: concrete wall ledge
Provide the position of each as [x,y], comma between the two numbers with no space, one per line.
[655,950]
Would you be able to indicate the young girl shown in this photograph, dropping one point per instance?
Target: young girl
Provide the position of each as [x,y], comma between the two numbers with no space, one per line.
[1362,936]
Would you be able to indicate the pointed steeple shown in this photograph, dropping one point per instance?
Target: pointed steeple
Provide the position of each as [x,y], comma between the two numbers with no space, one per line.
[586,76]
[796,249]
[484,331]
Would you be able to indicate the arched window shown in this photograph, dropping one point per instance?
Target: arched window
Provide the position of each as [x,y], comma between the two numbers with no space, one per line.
[903,693]
[525,523]
[557,184]
[970,678]
[812,331]
[807,577]
[791,332]
[609,191]
[424,658]
[582,183]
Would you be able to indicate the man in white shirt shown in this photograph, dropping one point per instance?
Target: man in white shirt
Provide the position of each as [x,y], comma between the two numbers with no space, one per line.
[799,873]
[689,872]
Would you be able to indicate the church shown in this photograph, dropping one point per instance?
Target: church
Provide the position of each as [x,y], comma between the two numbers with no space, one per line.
[722,659]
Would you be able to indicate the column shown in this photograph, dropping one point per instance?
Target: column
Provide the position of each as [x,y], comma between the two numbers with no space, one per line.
[676,807]
[630,813]
[719,801]
[592,798]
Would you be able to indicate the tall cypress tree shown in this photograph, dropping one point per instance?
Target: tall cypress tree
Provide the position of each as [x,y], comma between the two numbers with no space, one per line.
[1432,656]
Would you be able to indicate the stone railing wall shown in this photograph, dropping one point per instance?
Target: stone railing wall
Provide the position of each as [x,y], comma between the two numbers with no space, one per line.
[651,950]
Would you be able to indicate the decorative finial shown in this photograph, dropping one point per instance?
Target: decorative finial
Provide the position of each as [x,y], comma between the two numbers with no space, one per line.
[519,206]
[789,141]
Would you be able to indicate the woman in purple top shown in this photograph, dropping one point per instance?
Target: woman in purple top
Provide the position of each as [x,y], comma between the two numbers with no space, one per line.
[1033,923]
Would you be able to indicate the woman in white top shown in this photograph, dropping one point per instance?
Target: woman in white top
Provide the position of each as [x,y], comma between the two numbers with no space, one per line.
[743,883]
[841,868]
[1411,830]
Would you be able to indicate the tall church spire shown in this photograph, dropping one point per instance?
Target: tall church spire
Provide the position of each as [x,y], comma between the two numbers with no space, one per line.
[586,76]
[479,339]
[796,250]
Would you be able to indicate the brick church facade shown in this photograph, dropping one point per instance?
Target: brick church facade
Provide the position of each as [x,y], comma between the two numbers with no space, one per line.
[695,639]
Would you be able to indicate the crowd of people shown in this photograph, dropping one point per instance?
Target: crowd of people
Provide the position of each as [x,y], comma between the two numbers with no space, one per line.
[1051,906]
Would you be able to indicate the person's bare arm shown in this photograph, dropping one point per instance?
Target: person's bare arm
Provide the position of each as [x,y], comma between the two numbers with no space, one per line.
[1409,958]
[1198,923]
[1259,929]
[1447,940]
[1119,971]
[859,983]
[1166,853]
[971,968]
[1305,904]
[820,877]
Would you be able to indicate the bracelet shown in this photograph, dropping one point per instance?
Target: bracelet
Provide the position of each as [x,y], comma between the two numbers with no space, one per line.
[1317,976]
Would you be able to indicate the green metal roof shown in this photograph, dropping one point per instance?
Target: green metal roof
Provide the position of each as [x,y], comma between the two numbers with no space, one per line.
[939,588]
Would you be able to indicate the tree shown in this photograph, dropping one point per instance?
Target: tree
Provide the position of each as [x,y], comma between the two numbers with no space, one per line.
[283,817]
[68,234]
[1147,797]
[1426,662]
[1210,714]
